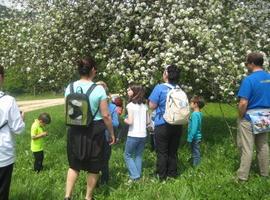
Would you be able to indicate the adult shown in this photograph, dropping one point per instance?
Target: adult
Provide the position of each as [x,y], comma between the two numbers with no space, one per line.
[11,122]
[167,137]
[254,93]
[92,138]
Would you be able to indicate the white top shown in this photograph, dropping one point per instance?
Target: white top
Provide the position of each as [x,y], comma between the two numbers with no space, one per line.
[9,112]
[138,113]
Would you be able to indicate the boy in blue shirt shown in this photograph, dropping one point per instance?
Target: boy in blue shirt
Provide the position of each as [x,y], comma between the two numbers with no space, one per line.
[194,128]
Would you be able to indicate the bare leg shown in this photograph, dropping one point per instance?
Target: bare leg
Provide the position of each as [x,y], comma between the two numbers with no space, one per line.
[71,179]
[91,184]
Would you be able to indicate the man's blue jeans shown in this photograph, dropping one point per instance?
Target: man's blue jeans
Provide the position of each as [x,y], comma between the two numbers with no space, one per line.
[133,156]
[196,154]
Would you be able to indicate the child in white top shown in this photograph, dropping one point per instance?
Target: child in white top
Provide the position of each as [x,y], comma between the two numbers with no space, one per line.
[137,119]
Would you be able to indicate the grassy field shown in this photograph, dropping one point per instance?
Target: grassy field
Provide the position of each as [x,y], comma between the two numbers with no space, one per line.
[213,179]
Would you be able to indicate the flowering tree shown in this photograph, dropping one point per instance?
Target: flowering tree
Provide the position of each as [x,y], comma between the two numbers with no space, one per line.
[134,40]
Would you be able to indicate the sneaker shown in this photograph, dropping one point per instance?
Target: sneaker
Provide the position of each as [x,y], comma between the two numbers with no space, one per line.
[131,181]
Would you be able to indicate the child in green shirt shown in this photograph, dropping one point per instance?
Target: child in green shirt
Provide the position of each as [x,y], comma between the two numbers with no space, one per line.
[37,139]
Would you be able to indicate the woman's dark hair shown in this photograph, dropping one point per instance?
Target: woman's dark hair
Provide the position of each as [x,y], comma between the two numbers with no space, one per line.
[173,74]
[138,94]
[85,66]
[255,58]
[45,118]
[2,71]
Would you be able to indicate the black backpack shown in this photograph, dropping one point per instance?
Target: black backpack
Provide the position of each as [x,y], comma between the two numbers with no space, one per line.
[78,108]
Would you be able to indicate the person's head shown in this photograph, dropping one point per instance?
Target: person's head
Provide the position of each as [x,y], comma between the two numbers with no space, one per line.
[136,94]
[87,67]
[2,73]
[44,119]
[104,85]
[254,60]
[118,101]
[197,102]
[171,74]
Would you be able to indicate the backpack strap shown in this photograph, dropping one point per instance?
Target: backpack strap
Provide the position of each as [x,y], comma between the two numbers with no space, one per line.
[3,125]
[89,91]
[2,94]
[71,87]
[91,88]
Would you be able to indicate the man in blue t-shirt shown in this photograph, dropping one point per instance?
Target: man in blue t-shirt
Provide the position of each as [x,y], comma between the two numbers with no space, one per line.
[254,93]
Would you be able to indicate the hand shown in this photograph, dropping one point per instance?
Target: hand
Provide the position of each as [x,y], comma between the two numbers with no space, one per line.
[112,139]
[22,115]
[126,120]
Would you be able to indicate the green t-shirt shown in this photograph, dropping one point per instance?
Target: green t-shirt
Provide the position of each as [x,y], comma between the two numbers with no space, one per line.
[37,144]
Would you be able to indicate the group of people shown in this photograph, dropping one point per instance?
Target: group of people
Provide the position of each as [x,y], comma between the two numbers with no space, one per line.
[89,148]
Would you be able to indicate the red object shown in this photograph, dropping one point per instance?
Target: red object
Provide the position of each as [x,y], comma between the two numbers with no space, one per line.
[118,102]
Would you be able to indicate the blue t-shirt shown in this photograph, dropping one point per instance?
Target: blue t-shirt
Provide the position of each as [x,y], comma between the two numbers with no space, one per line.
[194,127]
[114,114]
[158,97]
[256,89]
[115,120]
[97,95]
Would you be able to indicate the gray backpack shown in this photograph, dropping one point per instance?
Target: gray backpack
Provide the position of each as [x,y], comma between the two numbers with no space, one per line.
[78,108]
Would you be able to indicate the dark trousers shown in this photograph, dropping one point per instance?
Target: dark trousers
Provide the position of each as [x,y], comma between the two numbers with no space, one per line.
[122,131]
[167,138]
[152,142]
[39,156]
[105,169]
[5,180]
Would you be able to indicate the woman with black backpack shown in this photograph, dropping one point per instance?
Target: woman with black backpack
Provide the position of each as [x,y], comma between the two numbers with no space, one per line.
[87,122]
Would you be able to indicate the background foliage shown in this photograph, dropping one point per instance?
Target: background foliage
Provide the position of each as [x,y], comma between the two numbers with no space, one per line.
[134,39]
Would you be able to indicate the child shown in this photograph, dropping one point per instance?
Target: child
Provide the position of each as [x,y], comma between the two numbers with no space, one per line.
[194,128]
[107,147]
[37,135]
[122,129]
[137,120]
[119,103]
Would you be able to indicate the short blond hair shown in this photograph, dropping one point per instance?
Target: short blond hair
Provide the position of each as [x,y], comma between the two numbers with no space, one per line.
[104,85]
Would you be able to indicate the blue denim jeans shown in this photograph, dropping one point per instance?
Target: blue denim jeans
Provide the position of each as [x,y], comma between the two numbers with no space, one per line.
[133,156]
[195,150]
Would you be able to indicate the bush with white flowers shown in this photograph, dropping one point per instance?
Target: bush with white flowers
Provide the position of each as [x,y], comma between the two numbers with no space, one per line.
[134,40]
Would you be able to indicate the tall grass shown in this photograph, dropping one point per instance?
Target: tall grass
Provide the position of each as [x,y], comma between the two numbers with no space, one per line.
[213,179]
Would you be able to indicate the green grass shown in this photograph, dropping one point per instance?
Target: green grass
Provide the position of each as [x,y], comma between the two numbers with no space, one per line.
[213,179]
[24,97]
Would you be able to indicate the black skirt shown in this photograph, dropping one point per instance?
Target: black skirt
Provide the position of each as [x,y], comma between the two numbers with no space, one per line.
[85,147]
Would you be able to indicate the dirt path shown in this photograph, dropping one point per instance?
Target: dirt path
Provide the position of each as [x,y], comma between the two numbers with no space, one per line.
[27,106]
